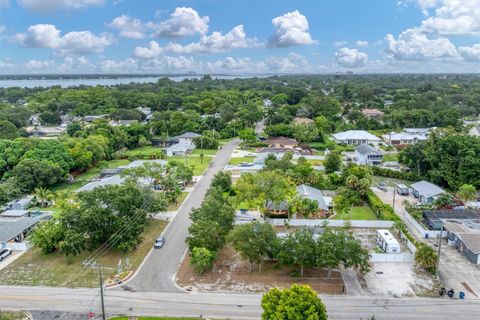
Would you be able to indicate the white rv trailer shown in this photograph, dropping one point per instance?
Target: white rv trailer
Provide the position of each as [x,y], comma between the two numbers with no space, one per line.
[387,241]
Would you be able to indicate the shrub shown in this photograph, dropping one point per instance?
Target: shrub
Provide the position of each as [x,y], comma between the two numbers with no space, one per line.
[202,260]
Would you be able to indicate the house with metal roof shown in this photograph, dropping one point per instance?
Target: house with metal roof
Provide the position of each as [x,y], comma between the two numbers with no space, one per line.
[187,137]
[305,191]
[16,229]
[425,191]
[400,138]
[356,137]
[465,237]
[19,204]
[367,155]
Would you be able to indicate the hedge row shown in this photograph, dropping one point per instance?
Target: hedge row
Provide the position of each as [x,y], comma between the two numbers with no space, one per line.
[385,212]
[383,172]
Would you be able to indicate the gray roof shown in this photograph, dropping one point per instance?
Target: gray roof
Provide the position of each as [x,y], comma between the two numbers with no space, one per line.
[14,213]
[313,194]
[9,229]
[366,149]
[427,189]
[188,135]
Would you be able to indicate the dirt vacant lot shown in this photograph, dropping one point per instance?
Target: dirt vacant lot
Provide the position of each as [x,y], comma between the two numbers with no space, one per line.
[231,274]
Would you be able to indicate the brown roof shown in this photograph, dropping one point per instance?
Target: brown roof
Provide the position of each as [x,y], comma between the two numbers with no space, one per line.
[372,112]
[281,140]
[303,120]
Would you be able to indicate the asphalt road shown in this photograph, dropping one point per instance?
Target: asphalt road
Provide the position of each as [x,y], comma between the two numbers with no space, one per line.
[232,306]
[160,266]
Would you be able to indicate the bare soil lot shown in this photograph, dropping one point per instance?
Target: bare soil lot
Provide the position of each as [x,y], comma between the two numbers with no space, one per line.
[231,274]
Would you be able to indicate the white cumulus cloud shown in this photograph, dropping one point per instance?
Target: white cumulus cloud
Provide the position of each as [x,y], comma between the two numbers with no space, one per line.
[72,43]
[452,17]
[152,51]
[128,27]
[412,44]
[291,29]
[213,43]
[52,5]
[37,64]
[183,22]
[362,43]
[470,53]
[351,58]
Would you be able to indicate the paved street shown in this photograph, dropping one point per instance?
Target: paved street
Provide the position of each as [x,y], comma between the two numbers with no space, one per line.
[232,306]
[159,268]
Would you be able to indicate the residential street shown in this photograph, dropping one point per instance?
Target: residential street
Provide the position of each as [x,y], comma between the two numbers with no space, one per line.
[232,306]
[159,268]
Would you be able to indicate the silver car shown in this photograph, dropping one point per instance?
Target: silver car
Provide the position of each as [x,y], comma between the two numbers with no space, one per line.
[159,243]
[5,252]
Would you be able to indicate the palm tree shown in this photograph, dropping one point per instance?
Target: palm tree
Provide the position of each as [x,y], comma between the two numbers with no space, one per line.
[42,196]
[426,257]
[467,192]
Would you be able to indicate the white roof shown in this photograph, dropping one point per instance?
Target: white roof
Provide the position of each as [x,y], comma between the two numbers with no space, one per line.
[404,136]
[388,237]
[356,135]
[427,189]
[366,149]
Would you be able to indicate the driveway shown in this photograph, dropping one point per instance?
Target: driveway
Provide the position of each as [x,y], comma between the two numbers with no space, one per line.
[159,267]
[455,270]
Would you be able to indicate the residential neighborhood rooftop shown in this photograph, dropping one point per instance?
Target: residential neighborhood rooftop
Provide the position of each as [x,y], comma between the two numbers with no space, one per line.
[356,135]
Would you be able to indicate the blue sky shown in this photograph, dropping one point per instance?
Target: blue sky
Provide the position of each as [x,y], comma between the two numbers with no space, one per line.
[227,36]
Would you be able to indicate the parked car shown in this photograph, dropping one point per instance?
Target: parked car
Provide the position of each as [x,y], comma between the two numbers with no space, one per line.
[402,189]
[382,186]
[5,252]
[159,243]
[245,164]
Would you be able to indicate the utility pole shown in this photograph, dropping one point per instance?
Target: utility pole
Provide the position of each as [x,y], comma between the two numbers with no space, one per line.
[100,278]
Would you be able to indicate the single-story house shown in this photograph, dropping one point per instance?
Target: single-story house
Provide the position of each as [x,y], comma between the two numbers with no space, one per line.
[324,203]
[464,239]
[273,208]
[117,178]
[95,117]
[372,113]
[421,131]
[40,131]
[425,191]
[16,230]
[403,137]
[187,138]
[122,123]
[474,131]
[20,204]
[303,121]
[179,149]
[356,137]
[367,155]
[435,219]
[281,142]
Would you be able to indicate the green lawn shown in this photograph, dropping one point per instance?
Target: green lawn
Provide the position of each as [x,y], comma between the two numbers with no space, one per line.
[358,213]
[152,318]
[390,157]
[64,186]
[12,315]
[146,150]
[34,268]
[180,199]
[95,171]
[238,160]
[194,161]
[315,162]
[207,152]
